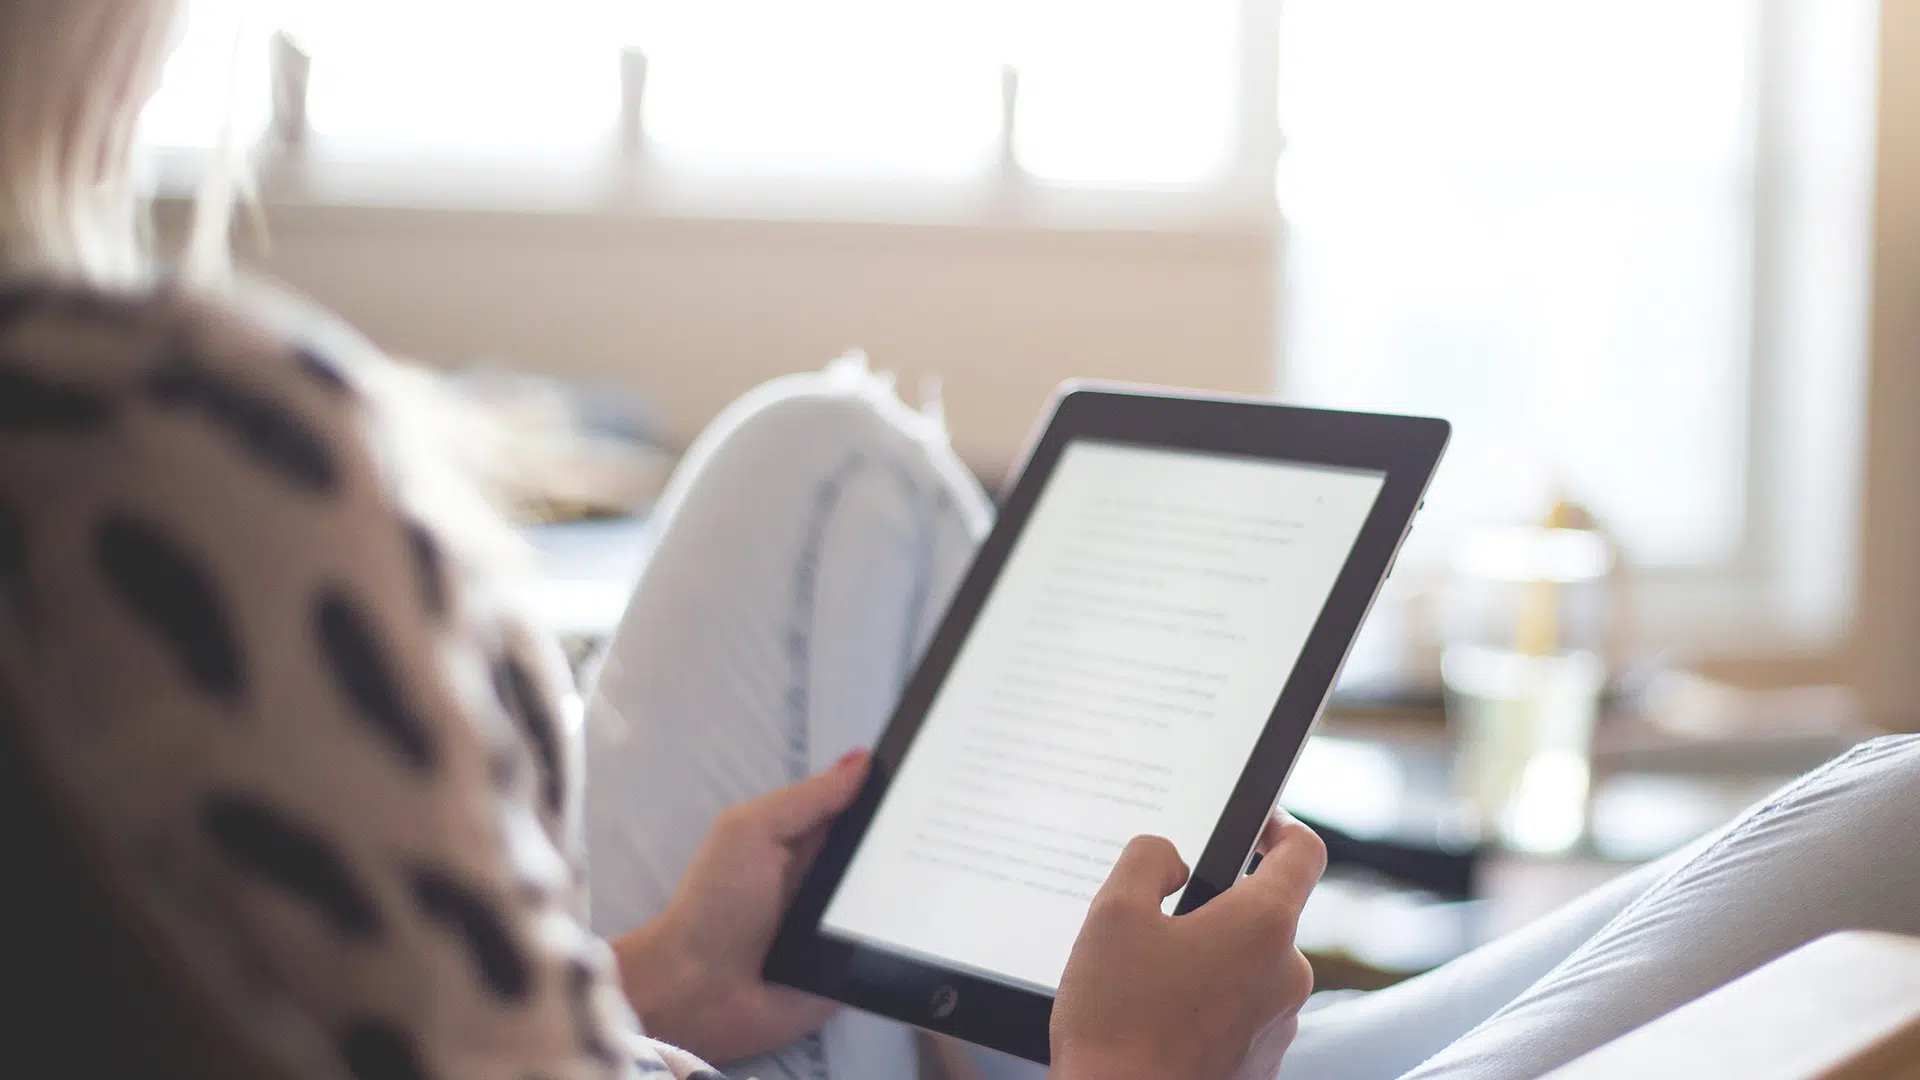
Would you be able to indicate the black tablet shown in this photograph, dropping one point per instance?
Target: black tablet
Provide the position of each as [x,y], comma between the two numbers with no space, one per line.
[1140,646]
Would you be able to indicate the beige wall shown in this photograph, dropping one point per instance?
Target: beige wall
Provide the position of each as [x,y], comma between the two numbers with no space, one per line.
[1886,647]
[694,312]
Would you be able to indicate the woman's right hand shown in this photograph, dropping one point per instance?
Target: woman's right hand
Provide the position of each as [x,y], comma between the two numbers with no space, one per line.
[1209,995]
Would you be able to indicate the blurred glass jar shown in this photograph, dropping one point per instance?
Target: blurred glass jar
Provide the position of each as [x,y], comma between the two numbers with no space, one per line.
[1526,622]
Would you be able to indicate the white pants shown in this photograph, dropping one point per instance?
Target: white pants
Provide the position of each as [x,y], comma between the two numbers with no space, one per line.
[807,547]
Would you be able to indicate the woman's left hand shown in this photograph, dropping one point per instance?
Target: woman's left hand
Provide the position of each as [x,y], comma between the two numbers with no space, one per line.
[693,974]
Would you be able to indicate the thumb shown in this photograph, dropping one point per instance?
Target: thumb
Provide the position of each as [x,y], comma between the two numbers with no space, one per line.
[1149,870]
[794,811]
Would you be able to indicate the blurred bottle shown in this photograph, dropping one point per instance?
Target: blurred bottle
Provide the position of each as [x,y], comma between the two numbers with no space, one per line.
[1526,629]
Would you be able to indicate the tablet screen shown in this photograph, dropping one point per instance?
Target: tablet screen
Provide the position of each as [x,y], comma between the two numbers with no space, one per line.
[1114,683]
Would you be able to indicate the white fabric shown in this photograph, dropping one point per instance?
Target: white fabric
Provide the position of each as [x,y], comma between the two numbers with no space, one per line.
[809,545]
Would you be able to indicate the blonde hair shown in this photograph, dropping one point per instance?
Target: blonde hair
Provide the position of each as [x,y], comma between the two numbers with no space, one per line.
[74,78]
[74,75]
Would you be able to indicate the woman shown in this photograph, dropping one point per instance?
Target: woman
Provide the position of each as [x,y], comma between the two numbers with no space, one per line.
[257,636]
[266,649]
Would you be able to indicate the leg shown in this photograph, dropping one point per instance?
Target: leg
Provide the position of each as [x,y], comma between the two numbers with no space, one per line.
[1836,850]
[1632,949]
[807,546]
[1383,1034]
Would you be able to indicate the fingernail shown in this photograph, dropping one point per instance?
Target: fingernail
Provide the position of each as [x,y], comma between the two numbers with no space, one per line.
[848,759]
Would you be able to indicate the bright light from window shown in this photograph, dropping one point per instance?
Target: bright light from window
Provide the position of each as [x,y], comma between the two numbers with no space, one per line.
[1533,218]
[480,76]
[1114,93]
[1117,93]
[833,86]
[217,73]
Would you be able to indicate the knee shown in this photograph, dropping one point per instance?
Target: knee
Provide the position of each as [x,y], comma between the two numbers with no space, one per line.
[1880,777]
[805,426]
[1852,816]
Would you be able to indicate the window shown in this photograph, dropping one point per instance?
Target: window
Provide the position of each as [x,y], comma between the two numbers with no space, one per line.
[1622,244]
[862,86]
[212,78]
[1536,219]
[1111,93]
[463,77]
[1126,92]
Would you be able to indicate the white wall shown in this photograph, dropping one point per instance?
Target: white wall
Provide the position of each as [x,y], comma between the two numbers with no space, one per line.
[694,312]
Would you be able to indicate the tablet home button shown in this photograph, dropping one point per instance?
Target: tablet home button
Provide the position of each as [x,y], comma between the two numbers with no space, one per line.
[945,1000]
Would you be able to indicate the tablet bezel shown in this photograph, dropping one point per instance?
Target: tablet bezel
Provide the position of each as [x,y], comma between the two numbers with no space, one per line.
[1015,1020]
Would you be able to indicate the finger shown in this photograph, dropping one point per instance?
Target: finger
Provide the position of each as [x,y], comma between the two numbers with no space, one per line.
[1292,866]
[805,849]
[1149,870]
[1272,832]
[798,809]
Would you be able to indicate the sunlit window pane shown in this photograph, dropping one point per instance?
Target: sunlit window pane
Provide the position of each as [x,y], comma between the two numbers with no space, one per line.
[216,75]
[472,75]
[1533,218]
[1125,92]
[833,86]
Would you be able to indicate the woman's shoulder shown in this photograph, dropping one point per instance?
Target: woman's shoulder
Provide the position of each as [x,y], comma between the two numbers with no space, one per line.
[275,691]
[72,353]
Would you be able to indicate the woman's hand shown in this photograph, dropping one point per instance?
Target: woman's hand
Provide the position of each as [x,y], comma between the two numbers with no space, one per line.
[693,974]
[1209,995]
